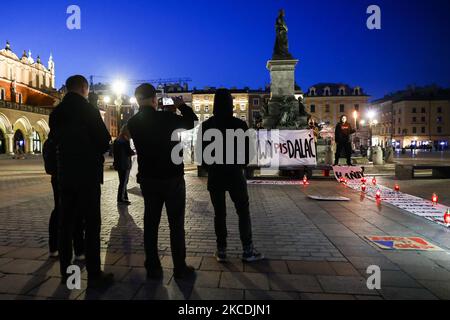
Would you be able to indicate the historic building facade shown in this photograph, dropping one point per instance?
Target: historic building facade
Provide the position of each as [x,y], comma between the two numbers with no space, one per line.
[203,103]
[27,97]
[327,102]
[417,117]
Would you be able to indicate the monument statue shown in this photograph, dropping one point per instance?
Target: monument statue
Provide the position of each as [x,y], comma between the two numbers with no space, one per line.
[284,110]
[281,50]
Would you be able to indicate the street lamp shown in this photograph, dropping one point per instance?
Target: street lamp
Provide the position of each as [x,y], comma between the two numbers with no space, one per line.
[118,88]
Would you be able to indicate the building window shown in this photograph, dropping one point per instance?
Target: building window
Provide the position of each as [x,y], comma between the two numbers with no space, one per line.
[342,92]
[357,92]
[326,92]
[207,109]
[423,110]
[414,119]
[414,130]
[399,110]
[423,130]
[313,108]
[19,98]
[424,119]
[197,108]
[439,129]
[356,107]
[256,102]
[244,118]
[439,119]
[2,94]
[342,108]
[243,107]
[414,110]
[327,108]
[312,92]
[399,131]
[439,110]
[206,117]
[37,145]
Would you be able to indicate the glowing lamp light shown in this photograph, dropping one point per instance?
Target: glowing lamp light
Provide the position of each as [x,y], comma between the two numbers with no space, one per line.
[397,188]
[305,180]
[435,199]
[119,87]
[447,218]
[106,99]
[374,181]
[363,188]
[378,194]
[133,100]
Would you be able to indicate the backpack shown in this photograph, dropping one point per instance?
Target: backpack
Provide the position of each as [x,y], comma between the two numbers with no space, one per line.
[49,154]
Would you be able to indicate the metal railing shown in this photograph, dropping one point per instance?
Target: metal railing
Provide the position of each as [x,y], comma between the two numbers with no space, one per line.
[25,108]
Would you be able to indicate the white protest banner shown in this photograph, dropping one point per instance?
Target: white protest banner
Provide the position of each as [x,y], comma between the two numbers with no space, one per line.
[286,148]
[353,175]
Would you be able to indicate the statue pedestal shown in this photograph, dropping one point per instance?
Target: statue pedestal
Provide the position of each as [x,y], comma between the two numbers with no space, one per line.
[282,76]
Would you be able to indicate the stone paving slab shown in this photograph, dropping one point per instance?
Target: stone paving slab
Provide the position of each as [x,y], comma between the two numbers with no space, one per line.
[315,250]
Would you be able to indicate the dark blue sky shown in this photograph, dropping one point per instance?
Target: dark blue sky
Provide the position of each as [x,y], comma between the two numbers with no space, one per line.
[227,43]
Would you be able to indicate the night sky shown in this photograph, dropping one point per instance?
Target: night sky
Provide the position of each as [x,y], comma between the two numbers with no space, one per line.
[227,43]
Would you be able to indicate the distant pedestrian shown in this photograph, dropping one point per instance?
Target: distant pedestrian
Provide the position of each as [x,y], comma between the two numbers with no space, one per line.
[81,139]
[342,136]
[122,164]
[229,177]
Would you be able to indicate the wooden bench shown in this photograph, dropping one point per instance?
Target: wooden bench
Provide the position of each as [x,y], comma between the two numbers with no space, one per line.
[407,172]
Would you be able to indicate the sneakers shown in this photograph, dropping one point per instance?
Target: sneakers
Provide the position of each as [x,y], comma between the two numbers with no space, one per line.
[221,256]
[101,281]
[183,273]
[252,255]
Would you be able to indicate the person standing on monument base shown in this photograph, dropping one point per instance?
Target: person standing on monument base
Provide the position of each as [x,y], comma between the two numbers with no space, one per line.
[343,133]
[224,176]
[81,139]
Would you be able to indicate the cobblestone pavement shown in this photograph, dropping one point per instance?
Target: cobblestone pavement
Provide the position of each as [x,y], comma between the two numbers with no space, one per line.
[315,250]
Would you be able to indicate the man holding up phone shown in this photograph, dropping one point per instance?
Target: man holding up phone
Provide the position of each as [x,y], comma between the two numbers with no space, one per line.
[162,181]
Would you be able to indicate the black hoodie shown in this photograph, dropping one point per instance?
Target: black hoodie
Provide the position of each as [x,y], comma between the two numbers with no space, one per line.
[221,176]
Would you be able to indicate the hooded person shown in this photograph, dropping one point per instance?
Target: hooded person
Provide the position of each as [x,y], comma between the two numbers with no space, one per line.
[343,133]
[226,173]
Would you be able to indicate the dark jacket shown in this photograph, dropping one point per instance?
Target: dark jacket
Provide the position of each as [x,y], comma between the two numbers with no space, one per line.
[343,132]
[122,154]
[152,131]
[80,138]
[224,176]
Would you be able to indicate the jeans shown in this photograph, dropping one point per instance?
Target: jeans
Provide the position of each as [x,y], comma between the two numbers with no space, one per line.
[122,194]
[239,195]
[172,194]
[78,236]
[80,202]
[347,148]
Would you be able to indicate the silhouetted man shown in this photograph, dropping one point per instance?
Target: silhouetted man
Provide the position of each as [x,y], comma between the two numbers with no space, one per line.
[81,139]
[161,178]
[342,136]
[49,154]
[224,176]
[122,164]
